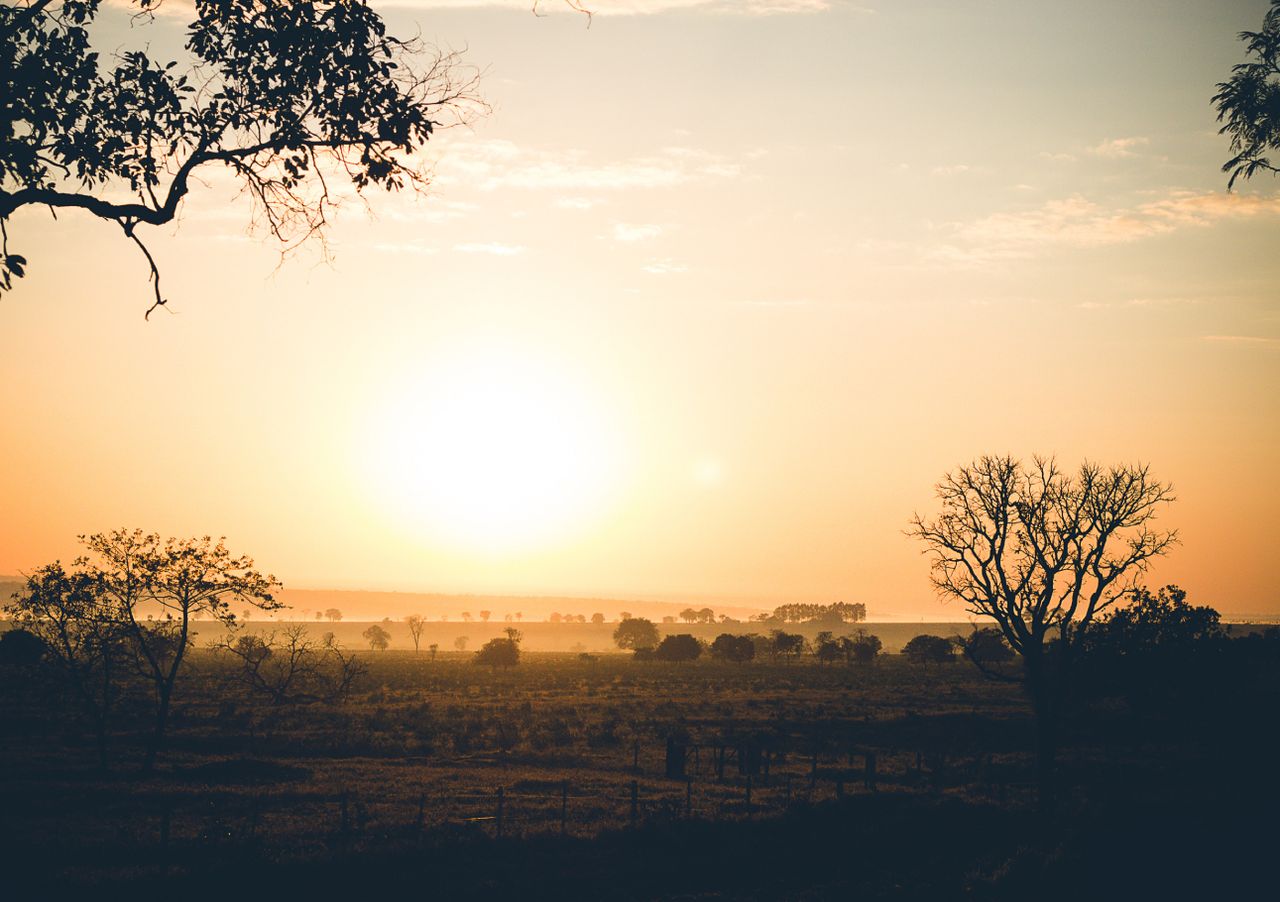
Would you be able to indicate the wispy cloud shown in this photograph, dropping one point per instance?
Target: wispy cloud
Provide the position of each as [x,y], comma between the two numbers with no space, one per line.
[626,232]
[1118,148]
[1081,223]
[1247,340]
[491,247]
[490,165]
[664,267]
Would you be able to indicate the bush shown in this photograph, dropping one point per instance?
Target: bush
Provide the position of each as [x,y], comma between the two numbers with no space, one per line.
[636,633]
[499,653]
[929,650]
[682,647]
[20,648]
[862,647]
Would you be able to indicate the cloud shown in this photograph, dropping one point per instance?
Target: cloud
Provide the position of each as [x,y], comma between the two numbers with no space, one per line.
[490,247]
[1248,340]
[490,165]
[1081,223]
[638,7]
[1118,148]
[625,232]
[664,267]
[576,203]
[954,169]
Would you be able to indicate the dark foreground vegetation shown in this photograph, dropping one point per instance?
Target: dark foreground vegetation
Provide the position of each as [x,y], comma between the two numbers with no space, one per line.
[550,778]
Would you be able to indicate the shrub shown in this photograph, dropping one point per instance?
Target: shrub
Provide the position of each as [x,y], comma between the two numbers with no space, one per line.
[682,647]
[929,650]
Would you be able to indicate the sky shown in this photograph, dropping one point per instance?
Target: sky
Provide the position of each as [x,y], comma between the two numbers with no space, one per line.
[704,307]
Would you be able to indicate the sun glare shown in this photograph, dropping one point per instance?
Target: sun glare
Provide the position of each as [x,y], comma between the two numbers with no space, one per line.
[493,451]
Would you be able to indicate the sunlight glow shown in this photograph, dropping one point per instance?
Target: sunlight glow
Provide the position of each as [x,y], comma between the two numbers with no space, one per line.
[493,450]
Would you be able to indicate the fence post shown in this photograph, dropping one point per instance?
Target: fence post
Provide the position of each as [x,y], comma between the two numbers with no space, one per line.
[813,770]
[768,756]
[635,755]
[789,789]
[688,798]
[422,810]
[748,795]
[501,801]
[564,805]
[869,777]
[635,792]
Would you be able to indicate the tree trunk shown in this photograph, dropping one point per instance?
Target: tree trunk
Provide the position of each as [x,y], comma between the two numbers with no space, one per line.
[1044,702]
[157,735]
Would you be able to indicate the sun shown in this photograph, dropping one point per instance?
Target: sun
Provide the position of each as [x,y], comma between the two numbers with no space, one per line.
[493,450]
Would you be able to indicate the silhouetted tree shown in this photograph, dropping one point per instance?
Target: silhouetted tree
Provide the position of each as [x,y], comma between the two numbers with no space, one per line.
[555,617]
[688,615]
[728,647]
[333,615]
[21,648]
[282,96]
[861,647]
[636,633]
[827,649]
[433,648]
[929,650]
[416,623]
[681,647]
[987,649]
[787,646]
[484,616]
[1249,102]
[1042,554]
[290,668]
[377,637]
[466,616]
[460,643]
[597,619]
[82,637]
[499,653]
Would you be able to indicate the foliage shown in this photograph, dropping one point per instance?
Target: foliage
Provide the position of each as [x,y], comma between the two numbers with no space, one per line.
[283,97]
[636,633]
[680,647]
[787,646]
[987,649]
[927,649]
[377,637]
[838,612]
[1249,102]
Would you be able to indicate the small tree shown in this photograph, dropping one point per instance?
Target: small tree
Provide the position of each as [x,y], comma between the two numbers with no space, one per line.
[788,646]
[929,650]
[728,647]
[416,623]
[333,615]
[681,647]
[484,616]
[828,649]
[502,652]
[862,647]
[987,650]
[460,643]
[597,619]
[636,633]
[434,649]
[377,637]
[688,615]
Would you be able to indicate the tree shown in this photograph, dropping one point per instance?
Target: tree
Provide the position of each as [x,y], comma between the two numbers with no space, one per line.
[688,615]
[862,647]
[636,633]
[1249,102]
[927,649]
[484,616]
[788,646]
[377,637]
[597,619]
[987,649]
[333,615]
[416,623]
[21,648]
[82,639]
[680,647]
[499,653]
[285,97]
[706,615]
[466,616]
[828,650]
[728,647]
[1043,553]
[555,617]
[460,643]
[433,648]
[290,668]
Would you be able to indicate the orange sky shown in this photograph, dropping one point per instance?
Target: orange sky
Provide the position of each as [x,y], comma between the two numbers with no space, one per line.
[705,307]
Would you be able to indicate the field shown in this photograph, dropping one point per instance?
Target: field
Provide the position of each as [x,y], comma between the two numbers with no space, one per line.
[560,749]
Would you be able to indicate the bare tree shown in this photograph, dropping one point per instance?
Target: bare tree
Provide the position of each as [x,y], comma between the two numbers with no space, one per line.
[1042,553]
[290,668]
[416,622]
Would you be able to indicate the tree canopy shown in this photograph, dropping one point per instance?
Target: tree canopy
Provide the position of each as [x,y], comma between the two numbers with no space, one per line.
[290,98]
